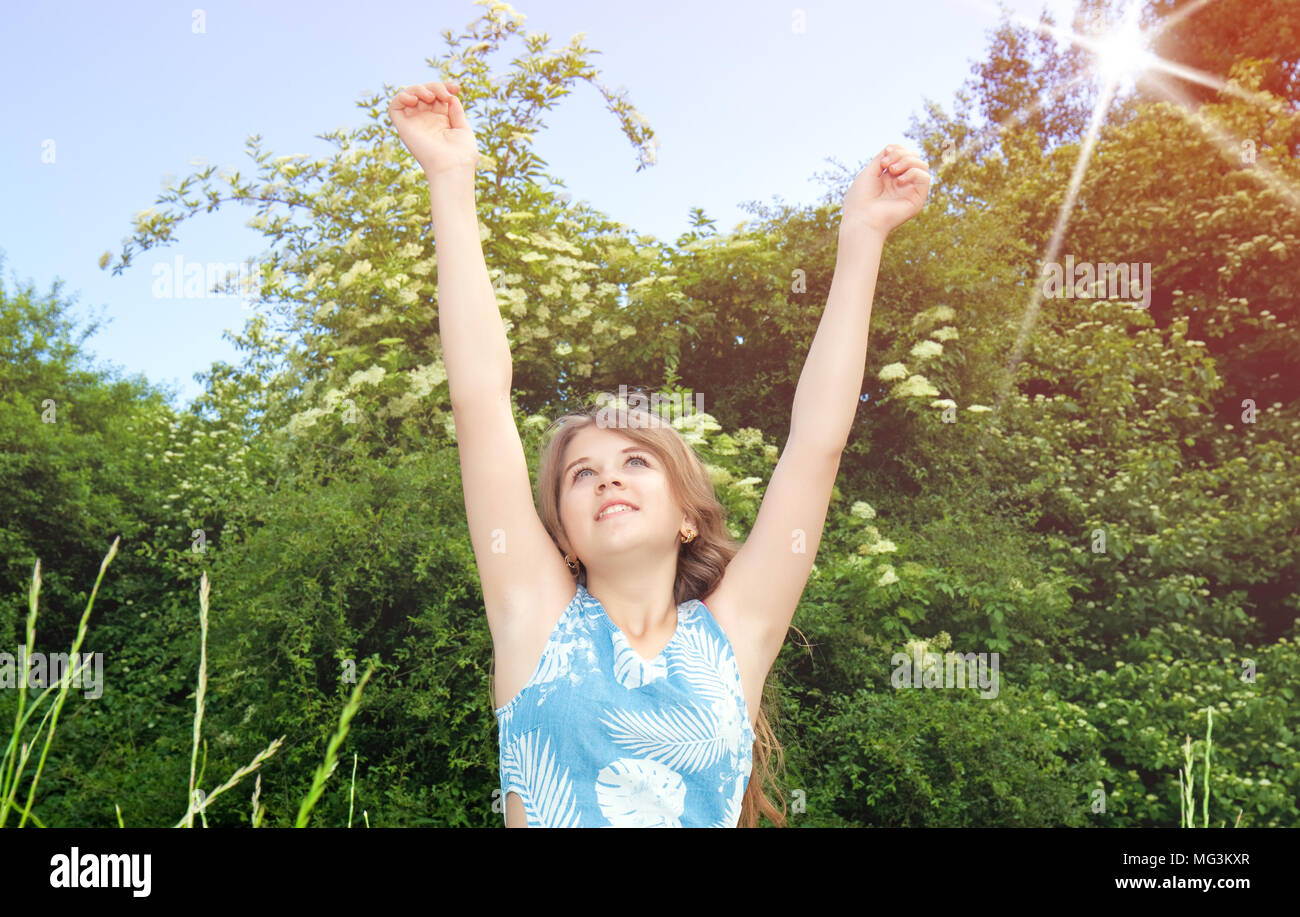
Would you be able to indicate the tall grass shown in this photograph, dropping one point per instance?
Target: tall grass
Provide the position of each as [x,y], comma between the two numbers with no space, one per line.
[13,765]
[1186,803]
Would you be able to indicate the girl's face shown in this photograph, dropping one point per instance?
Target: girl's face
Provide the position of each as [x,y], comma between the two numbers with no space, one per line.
[600,465]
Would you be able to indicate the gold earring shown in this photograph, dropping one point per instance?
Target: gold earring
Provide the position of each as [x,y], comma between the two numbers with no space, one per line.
[573,567]
[688,536]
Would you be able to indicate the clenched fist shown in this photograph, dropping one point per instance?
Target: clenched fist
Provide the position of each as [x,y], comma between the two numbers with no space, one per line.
[432,124]
[889,191]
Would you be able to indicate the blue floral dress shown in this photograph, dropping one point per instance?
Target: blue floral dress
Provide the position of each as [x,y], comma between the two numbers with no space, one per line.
[601,737]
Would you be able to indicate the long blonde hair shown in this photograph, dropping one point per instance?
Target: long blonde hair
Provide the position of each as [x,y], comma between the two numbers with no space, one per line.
[700,563]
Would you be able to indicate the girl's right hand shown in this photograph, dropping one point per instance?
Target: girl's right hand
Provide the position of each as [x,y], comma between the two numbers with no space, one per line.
[432,124]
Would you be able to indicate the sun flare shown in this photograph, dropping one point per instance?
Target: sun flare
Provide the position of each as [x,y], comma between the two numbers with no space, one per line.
[1123,52]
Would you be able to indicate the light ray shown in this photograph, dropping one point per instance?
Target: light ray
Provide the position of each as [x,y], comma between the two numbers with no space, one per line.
[1156,67]
[1230,145]
[1058,235]
[977,138]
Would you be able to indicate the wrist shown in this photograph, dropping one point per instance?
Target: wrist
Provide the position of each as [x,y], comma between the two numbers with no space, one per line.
[860,231]
[455,177]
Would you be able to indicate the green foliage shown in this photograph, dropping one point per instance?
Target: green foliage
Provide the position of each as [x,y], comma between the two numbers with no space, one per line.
[1156,691]
[1101,494]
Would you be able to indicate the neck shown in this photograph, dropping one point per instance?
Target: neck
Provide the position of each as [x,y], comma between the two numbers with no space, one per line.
[636,607]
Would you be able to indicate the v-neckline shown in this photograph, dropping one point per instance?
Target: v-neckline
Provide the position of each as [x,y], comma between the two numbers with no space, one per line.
[677,629]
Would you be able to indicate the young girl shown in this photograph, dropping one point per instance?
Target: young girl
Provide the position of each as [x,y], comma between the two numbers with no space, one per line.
[631,634]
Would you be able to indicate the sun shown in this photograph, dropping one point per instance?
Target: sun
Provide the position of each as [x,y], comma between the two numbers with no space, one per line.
[1123,53]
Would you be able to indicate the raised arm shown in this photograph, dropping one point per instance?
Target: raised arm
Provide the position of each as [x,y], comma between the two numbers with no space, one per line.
[431,121]
[764,580]
[886,193]
[516,558]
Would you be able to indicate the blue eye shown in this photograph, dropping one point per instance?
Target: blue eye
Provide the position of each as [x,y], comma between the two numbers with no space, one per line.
[639,458]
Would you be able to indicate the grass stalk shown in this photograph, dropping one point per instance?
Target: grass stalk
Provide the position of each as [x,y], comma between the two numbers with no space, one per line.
[200,807]
[202,690]
[352,791]
[7,765]
[331,761]
[65,682]
[1186,787]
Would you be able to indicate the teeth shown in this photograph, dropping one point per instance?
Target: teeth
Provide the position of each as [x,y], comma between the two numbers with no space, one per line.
[622,507]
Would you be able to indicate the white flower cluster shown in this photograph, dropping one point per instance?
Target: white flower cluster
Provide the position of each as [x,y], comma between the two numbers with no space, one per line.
[924,350]
[359,269]
[694,426]
[300,422]
[370,376]
[916,387]
[720,477]
[424,378]
[876,545]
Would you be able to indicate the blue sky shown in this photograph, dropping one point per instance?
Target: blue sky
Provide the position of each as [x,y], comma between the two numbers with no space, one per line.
[744,108]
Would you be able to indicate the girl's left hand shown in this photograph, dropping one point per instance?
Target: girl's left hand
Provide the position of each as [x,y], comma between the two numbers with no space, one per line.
[889,191]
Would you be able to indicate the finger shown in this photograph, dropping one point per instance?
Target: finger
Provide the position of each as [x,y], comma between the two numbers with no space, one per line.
[426,94]
[439,90]
[915,175]
[895,152]
[456,113]
[900,166]
[413,97]
[405,98]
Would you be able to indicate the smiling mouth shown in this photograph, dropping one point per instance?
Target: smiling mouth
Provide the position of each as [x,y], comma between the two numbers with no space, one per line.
[620,510]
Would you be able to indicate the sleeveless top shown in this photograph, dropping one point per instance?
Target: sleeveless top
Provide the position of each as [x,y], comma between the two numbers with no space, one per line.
[601,737]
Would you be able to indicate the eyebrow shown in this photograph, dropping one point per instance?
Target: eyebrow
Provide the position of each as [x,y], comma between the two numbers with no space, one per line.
[587,458]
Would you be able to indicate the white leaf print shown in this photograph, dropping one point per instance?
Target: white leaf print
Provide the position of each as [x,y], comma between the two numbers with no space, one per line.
[630,670]
[550,802]
[556,659]
[639,793]
[572,659]
[731,818]
[704,662]
[687,738]
[730,726]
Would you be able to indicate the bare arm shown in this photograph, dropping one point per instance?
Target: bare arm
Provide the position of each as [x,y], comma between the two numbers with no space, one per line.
[826,398]
[525,581]
[474,346]
[886,193]
[763,582]
[431,122]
